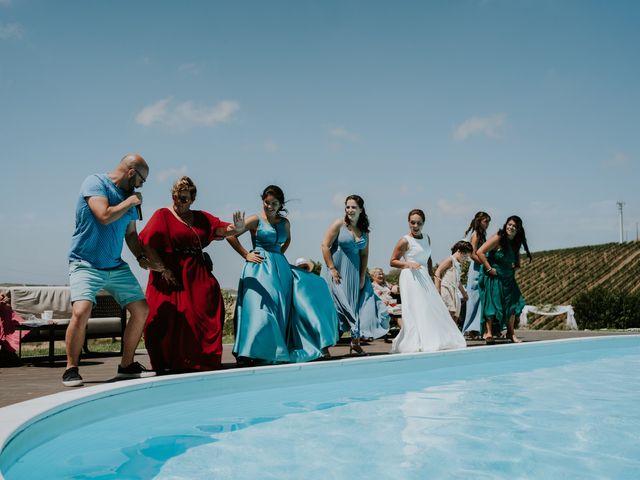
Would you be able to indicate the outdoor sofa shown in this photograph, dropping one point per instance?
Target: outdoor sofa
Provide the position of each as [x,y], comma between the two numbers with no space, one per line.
[108,319]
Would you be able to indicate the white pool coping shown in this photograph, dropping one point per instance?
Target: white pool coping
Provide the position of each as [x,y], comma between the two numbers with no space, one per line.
[18,417]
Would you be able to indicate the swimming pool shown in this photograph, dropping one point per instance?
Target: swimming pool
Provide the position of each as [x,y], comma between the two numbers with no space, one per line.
[555,409]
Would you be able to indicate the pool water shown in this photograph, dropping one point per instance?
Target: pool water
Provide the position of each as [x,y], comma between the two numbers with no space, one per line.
[556,411]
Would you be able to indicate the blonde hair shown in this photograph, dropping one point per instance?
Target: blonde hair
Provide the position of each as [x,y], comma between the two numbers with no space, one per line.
[184,184]
[373,271]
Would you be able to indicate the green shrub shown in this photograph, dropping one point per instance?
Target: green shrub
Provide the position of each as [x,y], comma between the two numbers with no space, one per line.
[603,308]
[393,276]
[229,308]
[317,267]
[464,273]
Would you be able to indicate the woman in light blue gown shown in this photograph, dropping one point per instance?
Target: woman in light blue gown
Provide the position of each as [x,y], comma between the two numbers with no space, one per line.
[345,249]
[283,313]
[478,230]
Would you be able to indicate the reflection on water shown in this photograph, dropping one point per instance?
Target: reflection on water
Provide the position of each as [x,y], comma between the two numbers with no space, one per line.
[560,422]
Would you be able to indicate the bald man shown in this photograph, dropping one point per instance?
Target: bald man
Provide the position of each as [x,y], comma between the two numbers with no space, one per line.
[106,215]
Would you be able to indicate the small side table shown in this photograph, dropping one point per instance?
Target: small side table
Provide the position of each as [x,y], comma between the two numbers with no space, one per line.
[50,328]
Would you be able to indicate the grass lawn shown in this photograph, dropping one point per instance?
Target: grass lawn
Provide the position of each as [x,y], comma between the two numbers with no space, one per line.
[100,345]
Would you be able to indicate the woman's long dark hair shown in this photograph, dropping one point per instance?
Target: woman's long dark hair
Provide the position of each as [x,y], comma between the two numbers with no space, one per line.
[363,220]
[276,192]
[476,226]
[520,240]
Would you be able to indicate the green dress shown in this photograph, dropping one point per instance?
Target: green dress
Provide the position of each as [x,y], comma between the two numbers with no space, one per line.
[500,295]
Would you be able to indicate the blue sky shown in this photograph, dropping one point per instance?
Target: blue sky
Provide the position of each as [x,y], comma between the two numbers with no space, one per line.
[508,106]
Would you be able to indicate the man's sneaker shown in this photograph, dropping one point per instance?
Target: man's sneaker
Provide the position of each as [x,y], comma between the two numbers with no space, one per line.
[71,378]
[135,370]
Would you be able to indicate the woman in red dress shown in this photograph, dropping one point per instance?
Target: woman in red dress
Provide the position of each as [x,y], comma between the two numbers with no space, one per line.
[183,331]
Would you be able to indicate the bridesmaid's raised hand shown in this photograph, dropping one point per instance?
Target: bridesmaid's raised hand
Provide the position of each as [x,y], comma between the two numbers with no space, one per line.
[238,221]
[413,265]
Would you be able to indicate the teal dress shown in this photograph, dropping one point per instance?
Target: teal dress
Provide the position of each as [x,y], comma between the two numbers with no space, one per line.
[283,314]
[314,323]
[500,295]
[359,311]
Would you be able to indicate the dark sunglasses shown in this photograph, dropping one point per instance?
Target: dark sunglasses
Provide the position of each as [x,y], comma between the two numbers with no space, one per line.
[182,198]
[142,178]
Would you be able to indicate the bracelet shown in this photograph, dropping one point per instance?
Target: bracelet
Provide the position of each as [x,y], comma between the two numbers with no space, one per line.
[332,268]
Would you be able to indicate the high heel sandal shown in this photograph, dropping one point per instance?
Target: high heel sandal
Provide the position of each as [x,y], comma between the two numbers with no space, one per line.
[356,350]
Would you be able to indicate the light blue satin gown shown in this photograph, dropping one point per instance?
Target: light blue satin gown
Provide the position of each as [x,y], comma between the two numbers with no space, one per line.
[283,313]
[473,314]
[360,312]
[474,307]
[314,323]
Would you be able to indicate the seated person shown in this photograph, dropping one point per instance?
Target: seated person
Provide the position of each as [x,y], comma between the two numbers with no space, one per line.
[387,292]
[305,264]
[309,265]
[9,333]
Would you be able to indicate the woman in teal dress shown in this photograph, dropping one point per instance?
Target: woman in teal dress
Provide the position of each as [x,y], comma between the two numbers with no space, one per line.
[345,249]
[283,313]
[500,295]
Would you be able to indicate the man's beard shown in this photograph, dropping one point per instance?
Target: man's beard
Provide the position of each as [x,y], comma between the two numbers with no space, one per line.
[130,186]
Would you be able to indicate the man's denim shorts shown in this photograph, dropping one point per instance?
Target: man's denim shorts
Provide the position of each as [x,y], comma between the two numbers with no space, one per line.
[86,281]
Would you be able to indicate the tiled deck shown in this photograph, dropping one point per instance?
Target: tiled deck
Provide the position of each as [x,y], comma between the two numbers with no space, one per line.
[38,379]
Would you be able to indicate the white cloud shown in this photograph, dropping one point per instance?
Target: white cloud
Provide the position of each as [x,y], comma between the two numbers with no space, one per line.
[271,146]
[618,160]
[489,126]
[153,113]
[11,31]
[185,115]
[343,134]
[457,207]
[189,69]
[171,174]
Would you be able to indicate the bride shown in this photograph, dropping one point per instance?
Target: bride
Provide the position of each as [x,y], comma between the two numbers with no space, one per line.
[426,323]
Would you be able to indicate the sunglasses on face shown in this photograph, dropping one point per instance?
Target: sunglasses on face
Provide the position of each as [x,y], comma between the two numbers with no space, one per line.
[142,178]
[182,198]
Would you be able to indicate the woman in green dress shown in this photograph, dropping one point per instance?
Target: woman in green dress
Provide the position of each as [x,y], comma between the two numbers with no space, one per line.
[500,295]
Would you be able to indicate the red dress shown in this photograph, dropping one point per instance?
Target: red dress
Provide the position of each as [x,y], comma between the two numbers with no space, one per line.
[183,331]
[9,333]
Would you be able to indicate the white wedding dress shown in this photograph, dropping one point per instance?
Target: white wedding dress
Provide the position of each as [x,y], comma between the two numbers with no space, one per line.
[426,323]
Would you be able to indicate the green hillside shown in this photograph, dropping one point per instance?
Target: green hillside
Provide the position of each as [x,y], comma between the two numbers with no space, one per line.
[557,276]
